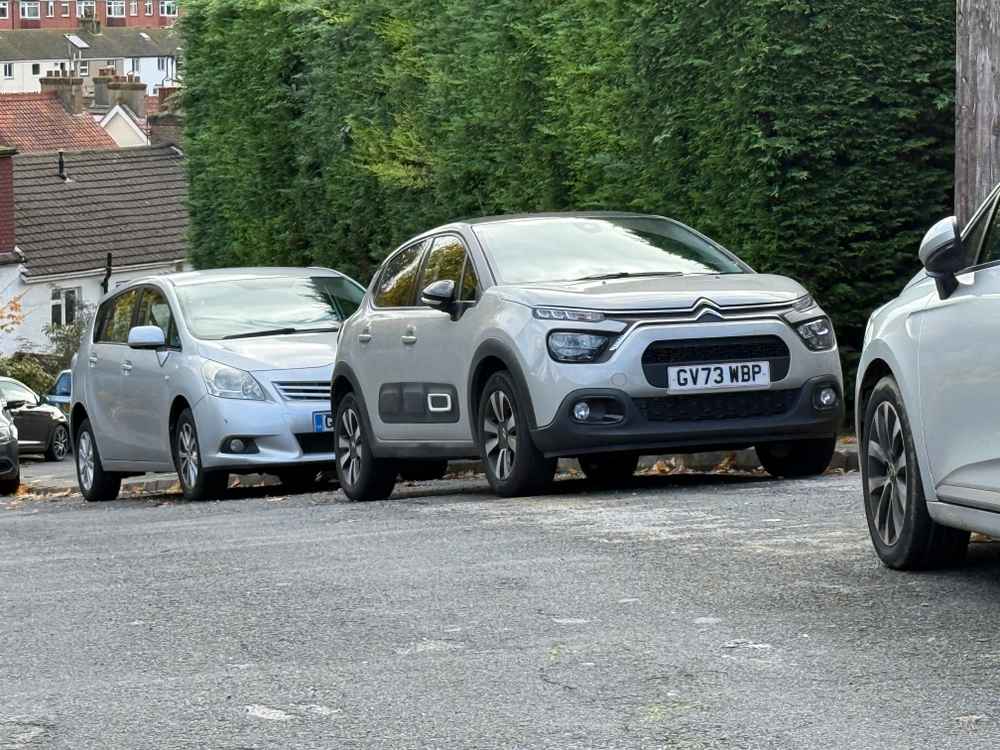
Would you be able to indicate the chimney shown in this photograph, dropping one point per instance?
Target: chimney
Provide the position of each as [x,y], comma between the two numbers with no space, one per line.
[67,88]
[102,97]
[168,99]
[6,200]
[165,128]
[130,92]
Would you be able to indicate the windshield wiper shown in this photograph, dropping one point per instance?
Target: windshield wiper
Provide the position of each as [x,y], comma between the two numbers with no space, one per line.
[628,275]
[280,332]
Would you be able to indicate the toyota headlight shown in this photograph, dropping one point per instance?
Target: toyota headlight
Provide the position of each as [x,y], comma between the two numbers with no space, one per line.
[571,346]
[817,334]
[228,382]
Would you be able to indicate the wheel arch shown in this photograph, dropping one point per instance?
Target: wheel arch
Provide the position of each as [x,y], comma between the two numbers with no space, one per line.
[77,415]
[177,406]
[875,370]
[493,356]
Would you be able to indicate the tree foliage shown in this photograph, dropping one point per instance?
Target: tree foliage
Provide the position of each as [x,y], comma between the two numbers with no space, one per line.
[814,139]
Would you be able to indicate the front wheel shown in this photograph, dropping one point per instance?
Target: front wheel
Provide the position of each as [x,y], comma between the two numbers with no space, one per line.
[197,483]
[514,465]
[904,535]
[96,484]
[59,444]
[803,458]
[363,477]
[608,468]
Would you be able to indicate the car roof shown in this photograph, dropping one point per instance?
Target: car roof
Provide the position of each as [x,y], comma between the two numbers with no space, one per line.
[559,215]
[189,278]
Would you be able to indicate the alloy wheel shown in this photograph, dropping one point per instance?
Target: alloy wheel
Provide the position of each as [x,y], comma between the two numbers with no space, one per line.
[500,428]
[350,446]
[85,460]
[887,473]
[187,455]
[60,443]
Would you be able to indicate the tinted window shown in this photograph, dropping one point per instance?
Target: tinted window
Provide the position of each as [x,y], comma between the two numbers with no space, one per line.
[267,305]
[570,248]
[16,392]
[154,310]
[346,294]
[115,318]
[63,385]
[444,262]
[397,283]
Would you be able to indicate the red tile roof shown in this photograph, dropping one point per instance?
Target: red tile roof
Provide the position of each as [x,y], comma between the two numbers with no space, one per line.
[38,122]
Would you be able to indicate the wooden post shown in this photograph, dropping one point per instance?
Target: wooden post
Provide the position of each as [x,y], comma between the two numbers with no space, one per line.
[977,110]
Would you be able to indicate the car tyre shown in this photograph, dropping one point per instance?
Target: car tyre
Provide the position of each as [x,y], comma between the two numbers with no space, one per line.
[59,444]
[903,533]
[10,486]
[363,477]
[423,471]
[96,484]
[197,483]
[514,466]
[608,468]
[803,458]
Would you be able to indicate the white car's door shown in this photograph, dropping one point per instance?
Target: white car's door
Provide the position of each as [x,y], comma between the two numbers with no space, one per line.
[959,375]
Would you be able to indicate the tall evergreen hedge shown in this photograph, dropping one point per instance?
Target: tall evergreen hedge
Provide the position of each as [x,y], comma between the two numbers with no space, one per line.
[815,139]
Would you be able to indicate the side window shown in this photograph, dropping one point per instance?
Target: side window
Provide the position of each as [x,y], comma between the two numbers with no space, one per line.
[470,283]
[155,311]
[347,295]
[990,252]
[974,238]
[115,318]
[63,385]
[17,392]
[444,261]
[397,283]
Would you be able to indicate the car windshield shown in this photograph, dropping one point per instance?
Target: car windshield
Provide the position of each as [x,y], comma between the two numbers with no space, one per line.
[270,305]
[571,248]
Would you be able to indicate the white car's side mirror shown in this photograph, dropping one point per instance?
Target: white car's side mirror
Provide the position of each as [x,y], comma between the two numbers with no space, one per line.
[943,255]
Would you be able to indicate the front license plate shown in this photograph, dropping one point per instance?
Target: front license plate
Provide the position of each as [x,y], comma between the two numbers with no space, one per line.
[720,376]
[322,421]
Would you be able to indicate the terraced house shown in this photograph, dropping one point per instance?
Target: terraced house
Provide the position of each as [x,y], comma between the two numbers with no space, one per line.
[67,14]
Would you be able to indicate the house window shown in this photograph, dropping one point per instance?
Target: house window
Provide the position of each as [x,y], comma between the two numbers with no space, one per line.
[136,63]
[168,7]
[65,10]
[50,8]
[161,63]
[116,8]
[86,8]
[8,70]
[36,69]
[149,7]
[84,68]
[4,9]
[31,10]
[65,306]
[133,8]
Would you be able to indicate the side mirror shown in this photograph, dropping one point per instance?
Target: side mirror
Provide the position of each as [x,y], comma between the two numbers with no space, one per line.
[439,295]
[943,255]
[146,337]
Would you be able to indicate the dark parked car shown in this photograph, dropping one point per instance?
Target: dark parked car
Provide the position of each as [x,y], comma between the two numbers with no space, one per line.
[41,428]
[10,472]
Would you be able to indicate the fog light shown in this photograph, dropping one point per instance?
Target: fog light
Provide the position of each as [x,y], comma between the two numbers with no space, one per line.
[826,398]
[236,446]
[239,445]
[581,411]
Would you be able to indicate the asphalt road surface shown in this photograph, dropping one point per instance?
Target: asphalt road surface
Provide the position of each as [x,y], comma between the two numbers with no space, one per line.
[687,612]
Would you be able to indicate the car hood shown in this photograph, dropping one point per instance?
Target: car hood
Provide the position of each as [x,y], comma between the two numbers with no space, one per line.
[293,352]
[659,292]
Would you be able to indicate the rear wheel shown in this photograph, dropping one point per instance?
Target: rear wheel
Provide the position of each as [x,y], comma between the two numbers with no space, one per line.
[423,471]
[59,444]
[903,533]
[197,483]
[609,468]
[804,458]
[96,484]
[363,476]
[514,465]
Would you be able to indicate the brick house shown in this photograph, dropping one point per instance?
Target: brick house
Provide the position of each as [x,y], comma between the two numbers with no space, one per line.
[66,14]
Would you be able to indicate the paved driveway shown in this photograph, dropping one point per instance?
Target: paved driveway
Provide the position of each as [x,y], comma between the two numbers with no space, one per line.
[691,612]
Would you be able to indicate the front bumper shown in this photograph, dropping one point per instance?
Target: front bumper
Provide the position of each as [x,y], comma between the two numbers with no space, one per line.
[656,424]
[282,432]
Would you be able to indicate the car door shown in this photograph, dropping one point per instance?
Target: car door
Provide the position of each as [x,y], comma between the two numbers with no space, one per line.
[434,367]
[384,323]
[32,423]
[103,399]
[959,372]
[146,383]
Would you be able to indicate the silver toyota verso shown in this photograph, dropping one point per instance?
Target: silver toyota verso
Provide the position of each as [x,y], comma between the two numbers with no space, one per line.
[210,373]
[601,336]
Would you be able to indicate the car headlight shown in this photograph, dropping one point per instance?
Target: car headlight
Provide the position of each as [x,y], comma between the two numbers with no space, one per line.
[570,346]
[563,313]
[228,382]
[6,434]
[804,303]
[817,334]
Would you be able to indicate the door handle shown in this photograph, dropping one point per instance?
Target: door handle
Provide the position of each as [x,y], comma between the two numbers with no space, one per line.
[126,367]
[364,338]
[410,337]
[92,359]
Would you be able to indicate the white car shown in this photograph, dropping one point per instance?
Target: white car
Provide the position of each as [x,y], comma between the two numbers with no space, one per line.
[927,409]
[600,336]
[210,373]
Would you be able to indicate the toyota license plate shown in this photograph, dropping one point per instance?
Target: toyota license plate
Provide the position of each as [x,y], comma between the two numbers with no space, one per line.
[726,375]
[322,421]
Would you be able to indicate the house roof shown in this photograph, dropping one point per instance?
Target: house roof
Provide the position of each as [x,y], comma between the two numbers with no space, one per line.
[131,202]
[51,44]
[38,122]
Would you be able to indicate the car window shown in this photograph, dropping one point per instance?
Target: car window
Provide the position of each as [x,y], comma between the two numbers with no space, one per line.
[16,392]
[63,385]
[990,252]
[974,236]
[346,294]
[444,262]
[397,284]
[154,310]
[115,318]
[470,283]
